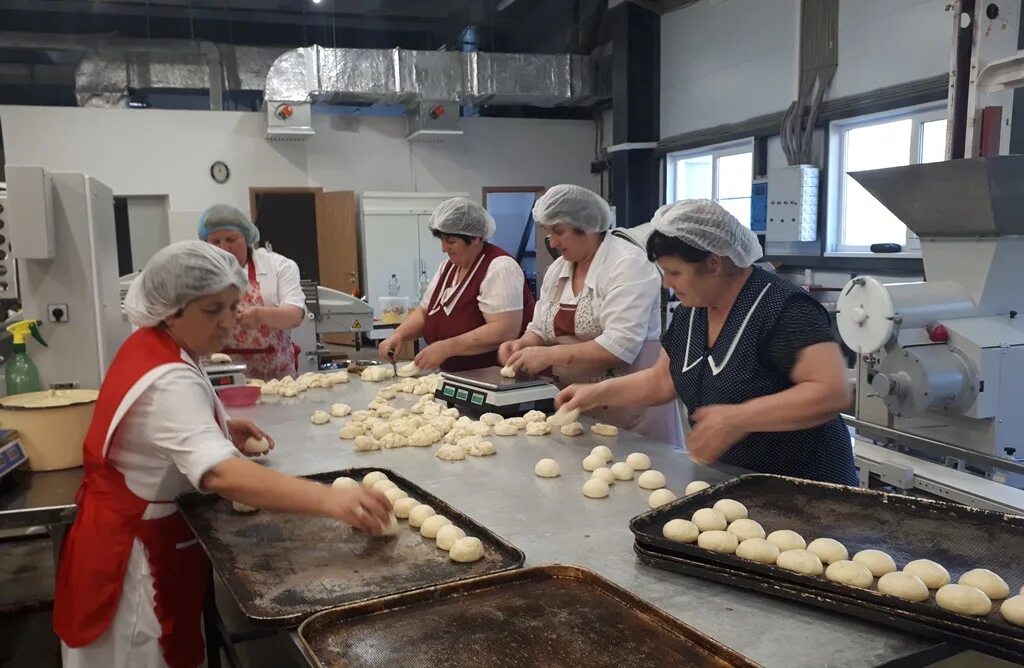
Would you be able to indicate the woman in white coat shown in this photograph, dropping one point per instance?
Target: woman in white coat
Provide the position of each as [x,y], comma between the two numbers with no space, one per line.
[599,310]
[132,577]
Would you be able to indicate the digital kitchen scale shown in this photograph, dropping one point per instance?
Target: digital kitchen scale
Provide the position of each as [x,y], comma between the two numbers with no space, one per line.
[226,375]
[12,455]
[487,391]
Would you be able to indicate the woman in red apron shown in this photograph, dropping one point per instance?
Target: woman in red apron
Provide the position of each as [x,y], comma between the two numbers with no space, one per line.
[273,303]
[477,299]
[132,578]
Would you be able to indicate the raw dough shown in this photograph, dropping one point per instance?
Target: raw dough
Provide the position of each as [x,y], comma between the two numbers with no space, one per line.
[508,372]
[787,540]
[431,525]
[903,585]
[344,482]
[933,575]
[372,478]
[481,449]
[680,531]
[383,486]
[603,451]
[466,550]
[491,419]
[340,410]
[696,486]
[220,358]
[602,429]
[535,416]
[563,417]
[622,471]
[547,468]
[649,479]
[537,428]
[722,542]
[450,453]
[746,529]
[595,488]
[828,550]
[709,519]
[505,428]
[350,431]
[478,429]
[402,506]
[408,370]
[240,507]
[733,510]
[379,431]
[447,535]
[378,373]
[639,461]
[290,391]
[519,422]
[878,562]
[365,443]
[257,446]
[660,497]
[963,599]
[571,429]
[393,440]
[800,561]
[391,528]
[320,417]
[603,473]
[850,573]
[270,389]
[1012,610]
[981,578]
[758,549]
[394,494]
[419,514]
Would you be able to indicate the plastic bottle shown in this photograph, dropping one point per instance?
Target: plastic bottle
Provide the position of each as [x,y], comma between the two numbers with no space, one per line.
[424,283]
[394,287]
[21,374]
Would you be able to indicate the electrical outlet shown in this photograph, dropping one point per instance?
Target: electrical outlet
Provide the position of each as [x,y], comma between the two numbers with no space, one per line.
[57,312]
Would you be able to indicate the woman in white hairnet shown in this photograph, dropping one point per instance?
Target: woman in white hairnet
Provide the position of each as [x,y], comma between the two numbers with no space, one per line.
[477,299]
[132,577]
[598,313]
[751,355]
[273,302]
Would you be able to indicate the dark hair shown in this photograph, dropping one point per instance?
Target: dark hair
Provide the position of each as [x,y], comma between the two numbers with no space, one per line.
[660,245]
[437,234]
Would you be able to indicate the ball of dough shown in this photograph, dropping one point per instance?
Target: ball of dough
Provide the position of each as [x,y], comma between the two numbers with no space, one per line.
[878,562]
[639,461]
[481,449]
[800,561]
[933,575]
[478,429]
[828,550]
[758,549]
[547,468]
[419,514]
[696,486]
[256,446]
[903,585]
[383,485]
[604,473]
[394,494]
[746,529]
[722,542]
[963,599]
[850,573]
[602,451]
[534,416]
[366,443]
[450,453]
[981,578]
[1012,610]
[602,429]
[563,417]
[571,429]
[240,507]
[389,529]
[537,428]
[220,358]
[372,478]
[344,482]
[466,550]
[519,422]
[431,525]
[787,540]
[350,431]
[660,497]
[592,463]
[680,531]
[709,519]
[491,419]
[403,506]
[379,431]
[505,429]
[340,410]
[595,488]
[508,372]
[733,510]
[649,479]
[407,370]
[320,417]
[622,471]
[447,535]
[269,390]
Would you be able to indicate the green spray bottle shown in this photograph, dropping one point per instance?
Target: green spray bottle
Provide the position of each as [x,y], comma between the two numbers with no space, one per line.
[21,373]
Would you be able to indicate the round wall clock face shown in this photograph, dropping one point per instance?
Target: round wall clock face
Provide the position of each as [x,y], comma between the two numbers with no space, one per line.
[219,172]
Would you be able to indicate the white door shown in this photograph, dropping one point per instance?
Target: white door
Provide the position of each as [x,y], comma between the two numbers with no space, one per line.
[391,238]
[431,256]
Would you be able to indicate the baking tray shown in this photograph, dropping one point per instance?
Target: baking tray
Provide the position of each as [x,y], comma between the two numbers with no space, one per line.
[958,537]
[281,568]
[548,616]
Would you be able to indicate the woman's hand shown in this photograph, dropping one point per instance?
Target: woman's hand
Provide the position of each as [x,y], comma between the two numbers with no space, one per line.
[434,355]
[251,318]
[715,430]
[532,359]
[360,508]
[242,430]
[581,397]
[506,350]
[389,345]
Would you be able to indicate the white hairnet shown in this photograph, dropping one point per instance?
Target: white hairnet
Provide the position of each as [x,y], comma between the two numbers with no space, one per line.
[574,206]
[706,225]
[459,215]
[178,274]
[223,216]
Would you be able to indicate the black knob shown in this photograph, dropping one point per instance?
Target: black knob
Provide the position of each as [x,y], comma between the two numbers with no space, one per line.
[1010,451]
[58,314]
[1013,314]
[992,11]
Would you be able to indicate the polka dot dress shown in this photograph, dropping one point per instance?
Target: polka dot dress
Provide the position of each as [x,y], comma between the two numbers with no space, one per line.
[746,363]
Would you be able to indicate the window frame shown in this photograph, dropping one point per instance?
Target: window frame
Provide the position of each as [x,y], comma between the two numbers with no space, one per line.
[717,152]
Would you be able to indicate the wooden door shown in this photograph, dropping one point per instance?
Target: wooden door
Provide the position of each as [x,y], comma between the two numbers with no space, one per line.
[337,248]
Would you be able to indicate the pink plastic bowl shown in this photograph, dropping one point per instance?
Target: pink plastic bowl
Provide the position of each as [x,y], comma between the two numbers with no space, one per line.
[244,395]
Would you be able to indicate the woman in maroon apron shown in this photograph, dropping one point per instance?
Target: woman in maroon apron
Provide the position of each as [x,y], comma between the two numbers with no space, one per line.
[273,302]
[477,299]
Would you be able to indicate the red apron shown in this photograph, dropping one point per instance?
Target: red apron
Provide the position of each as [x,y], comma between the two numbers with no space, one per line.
[94,556]
[465,315]
[269,352]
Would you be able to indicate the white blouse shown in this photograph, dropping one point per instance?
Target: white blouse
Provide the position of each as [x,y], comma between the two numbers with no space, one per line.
[279,279]
[500,292]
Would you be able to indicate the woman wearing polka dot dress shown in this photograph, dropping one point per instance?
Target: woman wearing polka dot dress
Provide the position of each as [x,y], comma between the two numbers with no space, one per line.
[751,355]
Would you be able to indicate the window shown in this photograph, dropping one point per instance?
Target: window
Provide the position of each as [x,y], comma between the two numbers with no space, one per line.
[722,173]
[857,219]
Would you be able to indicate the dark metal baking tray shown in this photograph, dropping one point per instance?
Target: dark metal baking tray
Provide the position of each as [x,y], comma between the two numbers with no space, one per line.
[281,568]
[549,616]
[956,536]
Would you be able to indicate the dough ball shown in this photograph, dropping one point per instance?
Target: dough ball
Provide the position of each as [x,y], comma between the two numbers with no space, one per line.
[649,479]
[800,561]
[981,578]
[722,542]
[733,510]
[878,562]
[320,417]
[508,372]
[256,446]
[372,478]
[350,431]
[1012,610]
[419,514]
[602,429]
[220,358]
[850,573]
[255,382]
[431,525]
[963,599]
[466,550]
[394,494]
[391,528]
[407,370]
[639,461]
[535,416]
[383,485]
[622,471]
[933,575]
[340,410]
[366,443]
[481,449]
[592,463]
[680,531]
[604,452]
[746,529]
[709,519]
[240,507]
[269,390]
[519,422]
[393,440]
[344,482]
[361,415]
[447,535]
[547,468]
[595,488]
[828,550]
[757,549]
[563,417]
[903,585]
[450,453]
[291,391]
[660,497]
[695,487]
[491,419]
[787,540]
[571,429]
[403,506]
[504,428]
[379,431]
[603,473]
[537,428]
